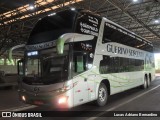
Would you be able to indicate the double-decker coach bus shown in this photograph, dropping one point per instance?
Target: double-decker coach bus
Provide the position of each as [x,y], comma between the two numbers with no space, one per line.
[74,57]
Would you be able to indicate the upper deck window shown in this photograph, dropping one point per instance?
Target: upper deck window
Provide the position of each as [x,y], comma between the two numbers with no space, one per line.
[114,33]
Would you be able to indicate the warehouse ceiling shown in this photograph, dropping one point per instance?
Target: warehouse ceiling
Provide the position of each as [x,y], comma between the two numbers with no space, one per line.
[17,17]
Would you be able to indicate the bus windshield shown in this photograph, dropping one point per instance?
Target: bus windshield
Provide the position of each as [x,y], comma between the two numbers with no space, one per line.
[47,68]
[51,27]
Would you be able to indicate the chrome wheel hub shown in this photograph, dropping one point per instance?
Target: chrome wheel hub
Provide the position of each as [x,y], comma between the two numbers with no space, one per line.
[102,94]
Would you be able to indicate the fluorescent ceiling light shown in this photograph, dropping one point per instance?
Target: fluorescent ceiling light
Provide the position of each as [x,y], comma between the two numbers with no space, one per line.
[52,14]
[156,21]
[135,0]
[31,7]
[73,9]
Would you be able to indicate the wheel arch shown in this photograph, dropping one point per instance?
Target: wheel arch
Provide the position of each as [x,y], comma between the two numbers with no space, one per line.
[104,83]
[107,84]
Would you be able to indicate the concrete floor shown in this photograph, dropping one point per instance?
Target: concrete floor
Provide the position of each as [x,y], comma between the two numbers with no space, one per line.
[132,100]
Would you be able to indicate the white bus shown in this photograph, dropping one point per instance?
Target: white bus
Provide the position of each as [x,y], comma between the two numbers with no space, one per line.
[75,57]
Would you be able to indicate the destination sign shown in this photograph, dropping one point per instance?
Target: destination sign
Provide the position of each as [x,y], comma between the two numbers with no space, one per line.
[41,45]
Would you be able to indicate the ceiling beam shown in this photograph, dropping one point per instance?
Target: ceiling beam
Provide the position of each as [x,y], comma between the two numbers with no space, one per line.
[12,15]
[132,16]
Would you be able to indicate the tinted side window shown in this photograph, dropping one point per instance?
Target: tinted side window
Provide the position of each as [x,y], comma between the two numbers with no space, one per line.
[105,65]
[118,64]
[79,62]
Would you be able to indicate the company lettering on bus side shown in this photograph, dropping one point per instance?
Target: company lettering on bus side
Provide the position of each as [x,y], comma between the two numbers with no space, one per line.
[120,50]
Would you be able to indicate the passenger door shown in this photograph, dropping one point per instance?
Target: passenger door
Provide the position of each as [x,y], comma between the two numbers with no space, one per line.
[20,67]
[79,80]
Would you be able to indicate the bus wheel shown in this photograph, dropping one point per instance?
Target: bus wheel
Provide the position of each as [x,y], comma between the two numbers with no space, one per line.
[102,95]
[144,86]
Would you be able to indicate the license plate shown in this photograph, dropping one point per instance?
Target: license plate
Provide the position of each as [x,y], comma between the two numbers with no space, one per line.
[37,102]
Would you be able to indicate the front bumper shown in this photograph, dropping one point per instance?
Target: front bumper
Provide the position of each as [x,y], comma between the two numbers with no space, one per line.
[50,99]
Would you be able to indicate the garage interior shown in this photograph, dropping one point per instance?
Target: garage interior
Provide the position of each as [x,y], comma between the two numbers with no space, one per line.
[18,17]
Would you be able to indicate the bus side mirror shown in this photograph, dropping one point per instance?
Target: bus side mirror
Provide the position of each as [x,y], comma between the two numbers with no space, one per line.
[20,65]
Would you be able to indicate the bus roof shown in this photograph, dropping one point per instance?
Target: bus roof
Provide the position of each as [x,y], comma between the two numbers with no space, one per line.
[48,23]
[126,30]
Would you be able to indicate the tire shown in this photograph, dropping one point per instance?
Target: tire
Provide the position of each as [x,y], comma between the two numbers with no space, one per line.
[145,84]
[102,95]
[148,82]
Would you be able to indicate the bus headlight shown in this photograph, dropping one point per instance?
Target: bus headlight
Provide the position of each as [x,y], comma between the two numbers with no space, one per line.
[62,100]
[23,98]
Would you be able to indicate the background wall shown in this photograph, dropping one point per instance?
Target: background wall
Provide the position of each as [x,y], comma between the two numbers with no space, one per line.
[9,69]
[157,62]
